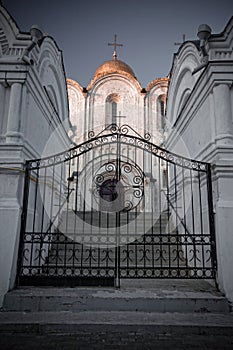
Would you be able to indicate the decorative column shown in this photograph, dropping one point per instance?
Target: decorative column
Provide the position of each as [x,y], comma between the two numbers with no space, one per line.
[223,113]
[13,122]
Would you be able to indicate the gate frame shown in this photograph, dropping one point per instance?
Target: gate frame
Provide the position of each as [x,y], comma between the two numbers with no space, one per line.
[118,132]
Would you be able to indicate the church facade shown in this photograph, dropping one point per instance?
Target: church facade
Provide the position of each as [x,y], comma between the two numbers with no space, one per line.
[114,96]
[111,188]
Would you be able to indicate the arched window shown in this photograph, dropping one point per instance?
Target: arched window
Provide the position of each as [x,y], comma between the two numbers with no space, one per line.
[111,109]
[114,112]
[161,109]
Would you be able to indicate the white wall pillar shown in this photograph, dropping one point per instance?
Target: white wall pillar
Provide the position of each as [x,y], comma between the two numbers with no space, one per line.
[223,114]
[13,122]
[11,185]
[224,224]
[2,106]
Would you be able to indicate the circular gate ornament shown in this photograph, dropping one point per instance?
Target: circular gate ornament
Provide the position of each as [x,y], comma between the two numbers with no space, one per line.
[118,186]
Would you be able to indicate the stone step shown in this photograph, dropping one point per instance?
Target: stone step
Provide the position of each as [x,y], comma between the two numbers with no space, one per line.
[65,248]
[91,222]
[99,249]
[115,330]
[149,296]
[130,215]
[71,322]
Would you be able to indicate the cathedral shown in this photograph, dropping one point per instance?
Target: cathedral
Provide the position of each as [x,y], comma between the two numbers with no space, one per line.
[115,181]
[115,96]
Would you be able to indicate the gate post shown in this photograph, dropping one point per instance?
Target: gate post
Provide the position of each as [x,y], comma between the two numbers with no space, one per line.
[118,176]
[23,220]
[211,219]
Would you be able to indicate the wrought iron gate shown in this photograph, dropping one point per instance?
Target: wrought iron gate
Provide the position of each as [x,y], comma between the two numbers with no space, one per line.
[116,206]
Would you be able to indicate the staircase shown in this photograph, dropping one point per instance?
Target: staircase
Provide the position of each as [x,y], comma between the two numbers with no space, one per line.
[143,314]
[133,296]
[146,313]
[85,246]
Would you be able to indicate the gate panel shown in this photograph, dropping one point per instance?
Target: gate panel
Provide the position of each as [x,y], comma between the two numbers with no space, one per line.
[116,206]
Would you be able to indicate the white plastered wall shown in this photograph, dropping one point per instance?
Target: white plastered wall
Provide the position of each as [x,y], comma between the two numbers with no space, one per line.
[200,114]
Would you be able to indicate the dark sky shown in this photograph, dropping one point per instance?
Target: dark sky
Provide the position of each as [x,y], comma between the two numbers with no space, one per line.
[148,30]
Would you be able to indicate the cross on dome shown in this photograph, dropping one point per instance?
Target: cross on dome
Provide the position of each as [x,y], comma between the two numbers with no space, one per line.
[115,44]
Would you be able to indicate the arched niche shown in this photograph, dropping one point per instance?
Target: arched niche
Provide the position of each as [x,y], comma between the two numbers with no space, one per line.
[8,30]
[52,76]
[182,79]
